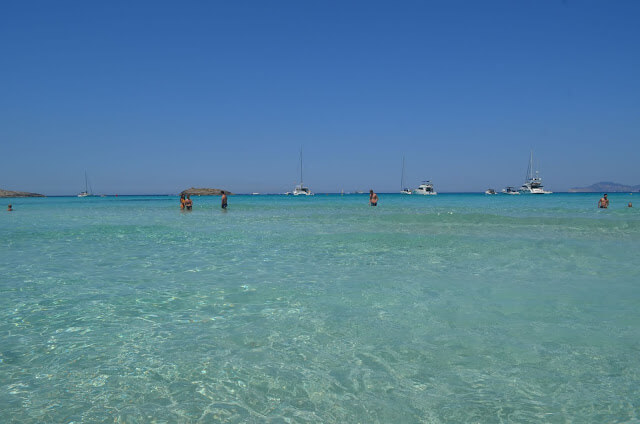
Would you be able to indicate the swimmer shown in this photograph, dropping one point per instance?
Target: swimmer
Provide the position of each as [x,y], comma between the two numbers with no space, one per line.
[373,198]
[9,208]
[630,205]
[188,203]
[182,201]
[224,200]
[603,202]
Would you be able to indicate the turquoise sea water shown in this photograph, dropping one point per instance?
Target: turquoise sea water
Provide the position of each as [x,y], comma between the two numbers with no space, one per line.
[455,308]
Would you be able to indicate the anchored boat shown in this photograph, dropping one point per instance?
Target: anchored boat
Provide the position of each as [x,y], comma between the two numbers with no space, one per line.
[300,189]
[426,188]
[403,189]
[533,184]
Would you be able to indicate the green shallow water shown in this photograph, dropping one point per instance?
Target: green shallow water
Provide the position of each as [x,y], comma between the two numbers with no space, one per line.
[446,309]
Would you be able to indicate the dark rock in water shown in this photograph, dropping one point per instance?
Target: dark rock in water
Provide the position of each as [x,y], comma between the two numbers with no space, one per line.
[9,193]
[204,192]
[604,187]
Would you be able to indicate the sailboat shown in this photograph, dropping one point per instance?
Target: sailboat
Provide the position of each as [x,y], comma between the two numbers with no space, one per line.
[403,189]
[300,189]
[86,192]
[532,185]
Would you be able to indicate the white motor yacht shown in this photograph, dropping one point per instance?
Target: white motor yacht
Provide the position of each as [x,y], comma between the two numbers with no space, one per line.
[426,188]
[510,190]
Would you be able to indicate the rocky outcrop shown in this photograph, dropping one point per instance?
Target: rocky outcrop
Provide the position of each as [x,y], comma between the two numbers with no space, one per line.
[204,192]
[604,187]
[9,193]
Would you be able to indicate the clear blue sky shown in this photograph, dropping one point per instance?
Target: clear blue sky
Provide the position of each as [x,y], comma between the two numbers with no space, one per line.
[155,96]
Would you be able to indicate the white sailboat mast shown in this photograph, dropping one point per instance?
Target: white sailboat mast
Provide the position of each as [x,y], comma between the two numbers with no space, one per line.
[402,175]
[301,166]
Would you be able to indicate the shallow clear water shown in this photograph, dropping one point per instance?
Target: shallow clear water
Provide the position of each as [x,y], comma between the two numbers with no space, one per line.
[446,309]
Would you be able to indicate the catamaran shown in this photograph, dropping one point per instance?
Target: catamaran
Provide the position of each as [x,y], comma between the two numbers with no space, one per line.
[300,189]
[403,189]
[532,185]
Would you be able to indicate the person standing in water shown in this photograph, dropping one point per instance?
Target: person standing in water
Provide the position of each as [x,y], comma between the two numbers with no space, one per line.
[373,198]
[9,208]
[224,200]
[188,203]
[603,202]
[182,201]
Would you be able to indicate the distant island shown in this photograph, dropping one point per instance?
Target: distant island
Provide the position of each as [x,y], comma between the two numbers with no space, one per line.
[9,193]
[604,187]
[204,192]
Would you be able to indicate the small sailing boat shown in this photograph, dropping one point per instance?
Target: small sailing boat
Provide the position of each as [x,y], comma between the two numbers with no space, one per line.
[403,189]
[86,192]
[300,189]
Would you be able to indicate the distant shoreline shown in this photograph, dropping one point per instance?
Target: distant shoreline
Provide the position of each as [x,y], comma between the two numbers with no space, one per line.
[10,194]
[606,187]
[326,194]
[600,187]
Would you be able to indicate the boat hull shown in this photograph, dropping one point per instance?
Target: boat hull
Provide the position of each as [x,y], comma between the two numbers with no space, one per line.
[302,192]
[534,190]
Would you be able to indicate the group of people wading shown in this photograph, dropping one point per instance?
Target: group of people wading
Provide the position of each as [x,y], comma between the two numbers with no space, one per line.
[603,203]
[187,204]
